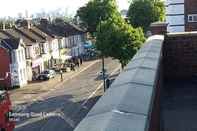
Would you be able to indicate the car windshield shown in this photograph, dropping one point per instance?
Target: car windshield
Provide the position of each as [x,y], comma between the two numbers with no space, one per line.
[46,72]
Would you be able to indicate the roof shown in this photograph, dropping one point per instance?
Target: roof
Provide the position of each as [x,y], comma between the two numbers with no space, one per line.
[15,34]
[10,43]
[159,24]
[3,36]
[60,30]
[40,33]
[32,35]
[193,33]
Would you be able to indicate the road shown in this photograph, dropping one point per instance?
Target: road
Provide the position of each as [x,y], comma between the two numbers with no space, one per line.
[63,108]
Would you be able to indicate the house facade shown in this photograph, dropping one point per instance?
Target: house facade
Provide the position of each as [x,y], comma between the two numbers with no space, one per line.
[39,47]
[68,37]
[14,69]
[181,15]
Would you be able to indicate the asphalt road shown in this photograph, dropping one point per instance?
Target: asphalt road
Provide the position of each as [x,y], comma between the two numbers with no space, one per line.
[63,109]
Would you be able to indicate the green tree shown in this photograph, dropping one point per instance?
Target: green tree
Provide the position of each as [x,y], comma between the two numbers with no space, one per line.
[119,40]
[143,12]
[91,14]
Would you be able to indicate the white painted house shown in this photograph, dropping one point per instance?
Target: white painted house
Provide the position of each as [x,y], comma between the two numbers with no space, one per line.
[18,70]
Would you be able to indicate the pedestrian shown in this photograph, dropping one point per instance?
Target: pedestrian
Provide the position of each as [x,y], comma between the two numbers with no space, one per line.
[72,66]
[77,62]
[80,59]
[107,83]
[61,73]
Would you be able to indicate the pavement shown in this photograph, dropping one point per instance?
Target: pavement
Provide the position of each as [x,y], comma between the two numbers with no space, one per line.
[64,105]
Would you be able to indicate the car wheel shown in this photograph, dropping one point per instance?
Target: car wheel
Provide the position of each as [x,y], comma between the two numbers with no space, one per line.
[41,78]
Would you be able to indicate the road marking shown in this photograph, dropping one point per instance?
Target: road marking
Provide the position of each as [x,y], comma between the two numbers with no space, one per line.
[99,87]
[60,84]
[71,77]
[63,116]
[66,118]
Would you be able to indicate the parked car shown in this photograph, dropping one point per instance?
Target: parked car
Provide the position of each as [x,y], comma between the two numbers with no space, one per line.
[57,70]
[46,75]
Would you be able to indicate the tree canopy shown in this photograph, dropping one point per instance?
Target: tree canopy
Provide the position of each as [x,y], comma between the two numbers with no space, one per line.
[94,11]
[114,37]
[119,40]
[142,13]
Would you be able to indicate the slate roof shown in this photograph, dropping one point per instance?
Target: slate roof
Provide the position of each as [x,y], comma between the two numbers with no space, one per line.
[3,36]
[40,33]
[10,43]
[16,34]
[61,30]
[29,33]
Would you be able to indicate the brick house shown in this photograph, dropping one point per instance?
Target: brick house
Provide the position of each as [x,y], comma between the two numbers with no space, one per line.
[181,15]
[158,28]
[13,71]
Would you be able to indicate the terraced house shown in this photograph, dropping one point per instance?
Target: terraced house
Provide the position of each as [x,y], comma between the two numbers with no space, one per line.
[13,70]
[70,38]
[45,45]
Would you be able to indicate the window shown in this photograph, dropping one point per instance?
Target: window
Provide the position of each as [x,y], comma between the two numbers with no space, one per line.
[192,18]
[13,57]
[27,52]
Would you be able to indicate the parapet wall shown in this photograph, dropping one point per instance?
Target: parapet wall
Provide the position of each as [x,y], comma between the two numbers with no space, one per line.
[180,55]
[132,101]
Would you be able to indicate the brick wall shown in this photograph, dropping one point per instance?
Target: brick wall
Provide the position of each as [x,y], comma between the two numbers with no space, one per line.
[158,28]
[190,8]
[180,55]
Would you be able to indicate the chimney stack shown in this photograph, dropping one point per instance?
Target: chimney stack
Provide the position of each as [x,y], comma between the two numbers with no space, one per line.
[44,22]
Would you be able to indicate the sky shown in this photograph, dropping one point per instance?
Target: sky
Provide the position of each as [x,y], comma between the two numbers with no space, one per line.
[13,7]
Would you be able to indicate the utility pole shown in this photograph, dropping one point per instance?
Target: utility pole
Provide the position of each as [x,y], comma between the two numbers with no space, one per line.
[103,59]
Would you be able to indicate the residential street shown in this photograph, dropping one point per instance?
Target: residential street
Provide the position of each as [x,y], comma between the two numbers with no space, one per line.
[63,107]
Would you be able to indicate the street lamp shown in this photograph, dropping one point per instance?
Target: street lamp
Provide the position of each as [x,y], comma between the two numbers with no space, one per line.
[103,59]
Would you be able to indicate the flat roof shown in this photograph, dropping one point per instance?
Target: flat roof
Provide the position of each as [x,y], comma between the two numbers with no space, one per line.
[192,33]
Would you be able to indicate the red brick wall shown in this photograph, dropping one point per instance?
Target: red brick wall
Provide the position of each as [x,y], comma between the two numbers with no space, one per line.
[155,115]
[4,67]
[180,56]
[158,30]
[190,8]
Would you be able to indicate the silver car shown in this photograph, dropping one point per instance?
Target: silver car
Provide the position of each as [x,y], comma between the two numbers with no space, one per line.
[46,75]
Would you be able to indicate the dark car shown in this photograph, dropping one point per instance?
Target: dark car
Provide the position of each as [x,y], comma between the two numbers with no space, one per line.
[46,75]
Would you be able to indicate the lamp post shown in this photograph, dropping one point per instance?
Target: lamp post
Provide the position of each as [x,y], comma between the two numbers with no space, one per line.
[103,59]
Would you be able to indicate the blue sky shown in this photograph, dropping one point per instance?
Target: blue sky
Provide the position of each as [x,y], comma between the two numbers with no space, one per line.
[13,7]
